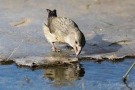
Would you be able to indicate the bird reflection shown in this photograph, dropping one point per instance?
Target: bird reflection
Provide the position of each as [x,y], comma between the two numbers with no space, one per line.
[64,75]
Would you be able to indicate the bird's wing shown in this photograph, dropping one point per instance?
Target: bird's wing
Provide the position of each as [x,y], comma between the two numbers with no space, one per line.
[63,25]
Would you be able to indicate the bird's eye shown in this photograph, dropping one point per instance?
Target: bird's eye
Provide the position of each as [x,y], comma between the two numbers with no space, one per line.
[76,42]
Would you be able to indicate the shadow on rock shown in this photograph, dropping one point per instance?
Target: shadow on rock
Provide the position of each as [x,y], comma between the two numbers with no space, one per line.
[64,76]
[97,45]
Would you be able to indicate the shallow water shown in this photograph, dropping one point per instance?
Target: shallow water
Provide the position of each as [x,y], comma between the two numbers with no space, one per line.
[84,76]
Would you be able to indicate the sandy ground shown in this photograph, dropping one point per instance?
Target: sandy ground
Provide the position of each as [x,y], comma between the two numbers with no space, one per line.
[108,26]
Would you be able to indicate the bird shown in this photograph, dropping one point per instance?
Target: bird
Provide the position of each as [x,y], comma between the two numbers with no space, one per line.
[63,30]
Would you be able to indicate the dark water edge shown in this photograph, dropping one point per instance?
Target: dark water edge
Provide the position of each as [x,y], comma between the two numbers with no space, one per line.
[86,75]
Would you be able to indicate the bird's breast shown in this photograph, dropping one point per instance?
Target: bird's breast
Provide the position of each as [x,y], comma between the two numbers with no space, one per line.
[60,39]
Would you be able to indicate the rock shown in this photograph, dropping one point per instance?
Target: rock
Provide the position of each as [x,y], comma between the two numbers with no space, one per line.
[109,31]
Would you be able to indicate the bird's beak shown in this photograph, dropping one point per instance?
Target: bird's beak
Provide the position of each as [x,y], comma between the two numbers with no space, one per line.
[78,50]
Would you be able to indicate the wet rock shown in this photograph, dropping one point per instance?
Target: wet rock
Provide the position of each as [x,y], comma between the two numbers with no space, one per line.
[53,58]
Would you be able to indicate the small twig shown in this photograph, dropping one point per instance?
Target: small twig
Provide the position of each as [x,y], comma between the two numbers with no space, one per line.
[22,22]
[121,42]
[125,76]
[127,85]
[106,22]
[15,49]
[83,87]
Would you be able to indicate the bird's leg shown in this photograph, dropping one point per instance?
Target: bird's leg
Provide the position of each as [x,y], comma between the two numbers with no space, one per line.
[54,49]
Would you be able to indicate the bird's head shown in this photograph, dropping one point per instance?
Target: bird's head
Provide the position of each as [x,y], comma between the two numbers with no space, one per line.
[77,41]
[51,13]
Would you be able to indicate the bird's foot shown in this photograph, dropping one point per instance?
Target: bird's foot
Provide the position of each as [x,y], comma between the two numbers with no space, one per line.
[54,49]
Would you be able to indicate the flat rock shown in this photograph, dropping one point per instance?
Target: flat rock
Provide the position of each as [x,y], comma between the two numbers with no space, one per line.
[107,25]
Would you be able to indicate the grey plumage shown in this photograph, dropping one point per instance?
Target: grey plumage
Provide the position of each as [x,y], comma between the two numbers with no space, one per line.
[63,30]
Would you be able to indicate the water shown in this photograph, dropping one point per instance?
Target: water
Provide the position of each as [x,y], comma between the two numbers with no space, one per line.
[87,75]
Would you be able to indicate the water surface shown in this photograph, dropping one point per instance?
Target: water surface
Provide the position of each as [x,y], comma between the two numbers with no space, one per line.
[86,75]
